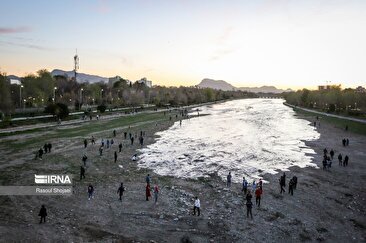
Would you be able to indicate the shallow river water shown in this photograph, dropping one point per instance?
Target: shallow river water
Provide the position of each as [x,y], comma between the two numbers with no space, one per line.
[248,137]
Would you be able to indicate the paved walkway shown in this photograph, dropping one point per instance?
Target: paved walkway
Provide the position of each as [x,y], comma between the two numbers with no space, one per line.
[327,114]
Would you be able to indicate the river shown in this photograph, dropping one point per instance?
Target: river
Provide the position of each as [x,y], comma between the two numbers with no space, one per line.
[248,137]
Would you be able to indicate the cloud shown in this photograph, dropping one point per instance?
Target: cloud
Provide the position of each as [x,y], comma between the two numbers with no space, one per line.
[22,29]
[31,46]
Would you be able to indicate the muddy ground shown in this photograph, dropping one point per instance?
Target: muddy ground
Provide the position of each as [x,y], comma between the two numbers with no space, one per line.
[327,205]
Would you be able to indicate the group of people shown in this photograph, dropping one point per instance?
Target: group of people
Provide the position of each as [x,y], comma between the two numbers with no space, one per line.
[328,159]
[46,149]
[291,185]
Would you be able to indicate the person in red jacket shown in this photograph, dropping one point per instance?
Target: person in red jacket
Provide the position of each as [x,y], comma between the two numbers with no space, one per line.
[148,192]
[258,194]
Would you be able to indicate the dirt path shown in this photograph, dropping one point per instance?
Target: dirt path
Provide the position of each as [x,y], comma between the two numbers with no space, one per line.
[327,205]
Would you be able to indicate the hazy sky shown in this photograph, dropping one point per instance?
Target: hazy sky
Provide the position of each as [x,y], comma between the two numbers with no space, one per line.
[179,42]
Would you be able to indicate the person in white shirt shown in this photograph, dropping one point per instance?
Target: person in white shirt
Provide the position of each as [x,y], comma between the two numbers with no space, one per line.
[197,206]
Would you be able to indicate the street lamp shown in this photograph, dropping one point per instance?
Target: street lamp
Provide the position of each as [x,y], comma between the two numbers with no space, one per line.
[54,94]
[20,95]
[81,97]
[24,104]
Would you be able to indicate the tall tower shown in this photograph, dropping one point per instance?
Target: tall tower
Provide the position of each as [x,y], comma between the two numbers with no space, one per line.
[76,63]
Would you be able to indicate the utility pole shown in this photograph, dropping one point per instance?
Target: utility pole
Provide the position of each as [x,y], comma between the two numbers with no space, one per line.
[20,96]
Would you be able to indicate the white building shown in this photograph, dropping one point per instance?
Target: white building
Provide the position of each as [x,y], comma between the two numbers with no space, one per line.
[148,83]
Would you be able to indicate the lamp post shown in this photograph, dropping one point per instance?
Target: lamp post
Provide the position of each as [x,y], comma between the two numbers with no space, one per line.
[24,100]
[54,94]
[81,98]
[20,95]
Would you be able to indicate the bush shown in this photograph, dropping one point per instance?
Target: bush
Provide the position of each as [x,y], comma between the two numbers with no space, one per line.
[101,108]
[59,110]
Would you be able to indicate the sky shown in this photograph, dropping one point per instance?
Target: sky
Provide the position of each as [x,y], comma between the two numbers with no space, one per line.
[284,43]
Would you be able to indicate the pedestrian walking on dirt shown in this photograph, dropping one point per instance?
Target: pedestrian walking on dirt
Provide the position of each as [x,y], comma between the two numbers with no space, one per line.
[45,147]
[82,172]
[197,206]
[120,147]
[115,156]
[249,196]
[258,195]
[245,186]
[148,192]
[156,193]
[345,161]
[291,187]
[114,133]
[294,179]
[85,143]
[40,153]
[125,135]
[90,192]
[249,205]
[120,191]
[260,184]
[107,143]
[141,140]
[132,138]
[282,184]
[49,145]
[228,182]
[101,150]
[43,214]
[148,179]
[340,157]
[84,159]
[331,154]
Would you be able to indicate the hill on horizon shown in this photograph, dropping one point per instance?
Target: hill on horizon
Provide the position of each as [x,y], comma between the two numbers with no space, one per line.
[81,77]
[225,86]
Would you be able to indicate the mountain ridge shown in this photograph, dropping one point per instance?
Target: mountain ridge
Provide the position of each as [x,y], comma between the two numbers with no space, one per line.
[225,86]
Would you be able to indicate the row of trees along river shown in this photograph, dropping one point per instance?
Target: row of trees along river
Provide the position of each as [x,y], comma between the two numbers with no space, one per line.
[333,100]
[42,89]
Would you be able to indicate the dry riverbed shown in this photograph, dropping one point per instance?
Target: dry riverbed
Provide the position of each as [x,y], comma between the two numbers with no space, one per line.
[327,205]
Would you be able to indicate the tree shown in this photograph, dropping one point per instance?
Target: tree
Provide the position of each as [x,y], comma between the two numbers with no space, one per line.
[5,95]
[59,110]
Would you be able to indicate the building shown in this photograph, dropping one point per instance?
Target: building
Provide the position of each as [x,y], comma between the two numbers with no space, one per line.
[148,83]
[328,87]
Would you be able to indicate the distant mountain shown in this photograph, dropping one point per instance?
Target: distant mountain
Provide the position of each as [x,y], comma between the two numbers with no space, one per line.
[223,85]
[215,84]
[264,89]
[81,77]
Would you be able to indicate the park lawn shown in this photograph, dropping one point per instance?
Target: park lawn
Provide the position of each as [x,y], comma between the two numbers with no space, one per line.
[353,126]
[83,130]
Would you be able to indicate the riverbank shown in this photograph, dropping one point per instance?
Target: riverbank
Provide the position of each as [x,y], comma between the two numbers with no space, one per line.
[327,205]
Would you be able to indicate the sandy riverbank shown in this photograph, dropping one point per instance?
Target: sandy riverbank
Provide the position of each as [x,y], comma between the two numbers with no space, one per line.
[327,205]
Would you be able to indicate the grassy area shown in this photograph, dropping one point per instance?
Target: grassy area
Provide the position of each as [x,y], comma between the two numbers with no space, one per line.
[353,126]
[82,131]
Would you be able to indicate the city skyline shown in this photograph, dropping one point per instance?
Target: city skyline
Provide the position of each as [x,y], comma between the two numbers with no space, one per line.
[287,44]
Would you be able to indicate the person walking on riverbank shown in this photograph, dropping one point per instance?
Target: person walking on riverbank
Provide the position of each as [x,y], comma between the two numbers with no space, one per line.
[254,186]
[283,183]
[101,150]
[120,191]
[258,195]
[249,196]
[260,184]
[228,182]
[115,156]
[148,179]
[107,143]
[331,154]
[85,143]
[148,192]
[197,206]
[294,179]
[291,187]
[345,161]
[156,193]
[249,205]
[120,147]
[43,214]
[82,172]
[340,159]
[132,138]
[245,186]
[84,159]
[93,140]
[40,153]
[90,192]
[125,135]
[114,133]
[141,140]
[49,145]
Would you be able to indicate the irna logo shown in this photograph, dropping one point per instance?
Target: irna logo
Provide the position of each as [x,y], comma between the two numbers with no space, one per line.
[52,179]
